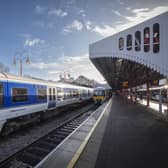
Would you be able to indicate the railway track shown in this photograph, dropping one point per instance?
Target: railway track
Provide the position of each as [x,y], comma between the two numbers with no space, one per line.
[31,155]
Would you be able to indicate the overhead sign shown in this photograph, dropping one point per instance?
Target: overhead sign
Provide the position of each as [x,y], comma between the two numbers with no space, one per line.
[155,82]
[125,84]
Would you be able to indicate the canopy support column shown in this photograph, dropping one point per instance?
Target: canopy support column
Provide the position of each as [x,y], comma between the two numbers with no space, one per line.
[148,93]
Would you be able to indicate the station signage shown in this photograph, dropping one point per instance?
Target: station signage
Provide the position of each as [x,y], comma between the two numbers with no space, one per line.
[125,84]
[155,83]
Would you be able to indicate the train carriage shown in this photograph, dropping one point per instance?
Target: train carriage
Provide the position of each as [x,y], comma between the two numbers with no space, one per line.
[22,97]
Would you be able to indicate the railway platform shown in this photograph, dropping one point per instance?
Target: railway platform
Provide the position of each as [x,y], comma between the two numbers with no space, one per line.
[123,135]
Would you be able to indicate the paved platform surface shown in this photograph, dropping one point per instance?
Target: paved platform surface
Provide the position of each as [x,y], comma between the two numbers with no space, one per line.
[65,154]
[128,136]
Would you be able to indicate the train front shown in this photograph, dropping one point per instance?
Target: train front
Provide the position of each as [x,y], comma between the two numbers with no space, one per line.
[99,95]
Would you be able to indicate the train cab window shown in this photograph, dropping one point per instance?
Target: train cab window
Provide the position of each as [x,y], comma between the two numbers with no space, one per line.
[137,41]
[54,97]
[156,38]
[1,95]
[19,94]
[41,93]
[146,39]
[129,42]
[121,43]
[50,94]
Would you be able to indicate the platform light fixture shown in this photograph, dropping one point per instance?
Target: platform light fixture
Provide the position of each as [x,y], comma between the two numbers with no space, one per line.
[20,56]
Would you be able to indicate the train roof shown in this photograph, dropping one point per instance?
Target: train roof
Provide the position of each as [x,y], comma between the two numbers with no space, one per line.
[99,88]
[31,80]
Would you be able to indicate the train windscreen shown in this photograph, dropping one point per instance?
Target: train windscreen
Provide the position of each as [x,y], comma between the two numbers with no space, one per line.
[99,93]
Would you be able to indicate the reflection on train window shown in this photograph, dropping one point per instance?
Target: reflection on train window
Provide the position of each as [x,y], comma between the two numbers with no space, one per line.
[59,94]
[129,42]
[99,93]
[156,38]
[50,95]
[121,43]
[1,95]
[19,94]
[146,39]
[137,41]
[41,94]
[54,98]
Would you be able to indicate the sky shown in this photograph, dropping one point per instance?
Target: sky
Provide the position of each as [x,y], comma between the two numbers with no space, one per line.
[56,33]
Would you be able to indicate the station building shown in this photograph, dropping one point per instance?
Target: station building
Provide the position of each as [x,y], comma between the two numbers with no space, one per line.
[134,56]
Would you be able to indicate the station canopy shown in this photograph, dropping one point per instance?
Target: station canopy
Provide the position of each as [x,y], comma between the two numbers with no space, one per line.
[134,56]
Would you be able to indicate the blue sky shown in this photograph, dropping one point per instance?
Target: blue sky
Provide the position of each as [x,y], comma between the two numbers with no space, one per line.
[56,33]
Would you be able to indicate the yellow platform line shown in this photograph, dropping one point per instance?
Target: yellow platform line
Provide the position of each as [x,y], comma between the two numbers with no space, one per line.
[82,146]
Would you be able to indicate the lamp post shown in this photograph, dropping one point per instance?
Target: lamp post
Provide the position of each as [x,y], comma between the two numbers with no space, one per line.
[20,57]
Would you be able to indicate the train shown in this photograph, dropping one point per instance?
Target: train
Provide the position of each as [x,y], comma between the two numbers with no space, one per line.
[100,94]
[154,94]
[24,98]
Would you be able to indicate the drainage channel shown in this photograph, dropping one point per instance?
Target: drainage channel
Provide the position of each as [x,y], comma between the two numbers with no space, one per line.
[35,152]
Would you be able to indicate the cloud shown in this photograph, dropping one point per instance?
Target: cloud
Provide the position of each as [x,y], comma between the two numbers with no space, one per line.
[82,13]
[120,2]
[75,25]
[104,31]
[57,12]
[88,25]
[142,14]
[39,24]
[138,16]
[117,13]
[40,9]
[75,65]
[33,41]
[140,10]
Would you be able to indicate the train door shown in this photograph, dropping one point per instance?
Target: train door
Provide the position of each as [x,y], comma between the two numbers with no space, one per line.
[1,95]
[51,97]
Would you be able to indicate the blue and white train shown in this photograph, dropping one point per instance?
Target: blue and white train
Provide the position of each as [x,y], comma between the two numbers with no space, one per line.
[22,97]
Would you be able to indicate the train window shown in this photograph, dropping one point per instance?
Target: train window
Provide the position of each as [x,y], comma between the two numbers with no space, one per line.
[59,93]
[50,94]
[54,98]
[156,38]
[129,42]
[121,43]
[99,93]
[1,95]
[19,94]
[137,41]
[146,39]
[41,94]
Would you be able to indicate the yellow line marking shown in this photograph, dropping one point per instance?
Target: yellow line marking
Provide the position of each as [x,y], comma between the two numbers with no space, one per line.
[82,146]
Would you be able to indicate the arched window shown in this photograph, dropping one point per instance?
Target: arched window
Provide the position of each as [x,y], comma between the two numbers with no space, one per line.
[129,42]
[121,43]
[156,38]
[146,39]
[137,41]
